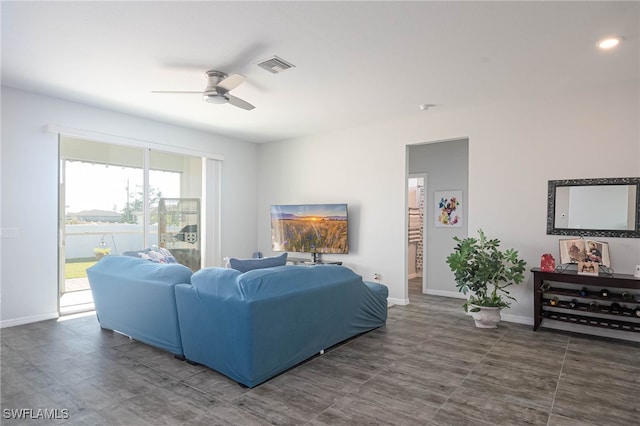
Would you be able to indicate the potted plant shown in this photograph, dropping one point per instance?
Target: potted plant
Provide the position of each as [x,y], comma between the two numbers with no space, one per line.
[102,249]
[100,252]
[482,268]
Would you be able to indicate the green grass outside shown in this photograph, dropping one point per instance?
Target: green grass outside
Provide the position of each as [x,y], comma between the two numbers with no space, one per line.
[77,269]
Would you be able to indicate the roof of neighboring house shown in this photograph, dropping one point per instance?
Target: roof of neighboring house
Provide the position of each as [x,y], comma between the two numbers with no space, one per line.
[95,212]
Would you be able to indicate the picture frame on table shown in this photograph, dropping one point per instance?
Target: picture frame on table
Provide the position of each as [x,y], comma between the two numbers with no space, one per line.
[588,268]
[580,250]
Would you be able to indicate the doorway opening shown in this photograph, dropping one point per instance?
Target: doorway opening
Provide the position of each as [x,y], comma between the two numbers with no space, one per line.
[416,274]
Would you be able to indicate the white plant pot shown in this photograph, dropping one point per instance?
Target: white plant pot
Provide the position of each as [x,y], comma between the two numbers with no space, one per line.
[486,317]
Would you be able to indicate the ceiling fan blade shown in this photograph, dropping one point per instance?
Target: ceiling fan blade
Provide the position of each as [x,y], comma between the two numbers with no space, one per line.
[239,102]
[231,82]
[174,91]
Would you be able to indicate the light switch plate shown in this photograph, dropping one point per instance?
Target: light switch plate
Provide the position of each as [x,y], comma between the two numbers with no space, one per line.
[7,233]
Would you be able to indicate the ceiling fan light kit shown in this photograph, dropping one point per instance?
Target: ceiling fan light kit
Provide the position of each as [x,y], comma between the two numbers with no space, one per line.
[219,85]
[214,98]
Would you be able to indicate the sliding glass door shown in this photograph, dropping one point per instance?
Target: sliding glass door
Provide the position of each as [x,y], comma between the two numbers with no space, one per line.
[110,196]
[175,186]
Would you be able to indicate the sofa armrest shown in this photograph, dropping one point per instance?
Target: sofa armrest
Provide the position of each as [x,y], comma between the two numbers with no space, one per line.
[137,298]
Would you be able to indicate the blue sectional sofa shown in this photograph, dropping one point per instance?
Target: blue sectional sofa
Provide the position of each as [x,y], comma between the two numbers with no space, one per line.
[248,326]
[252,326]
[137,297]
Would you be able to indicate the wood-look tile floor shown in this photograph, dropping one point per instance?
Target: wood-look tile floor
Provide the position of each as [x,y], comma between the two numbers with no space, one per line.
[428,366]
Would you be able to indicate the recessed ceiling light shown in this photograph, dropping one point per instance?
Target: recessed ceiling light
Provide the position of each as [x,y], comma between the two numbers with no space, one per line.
[609,42]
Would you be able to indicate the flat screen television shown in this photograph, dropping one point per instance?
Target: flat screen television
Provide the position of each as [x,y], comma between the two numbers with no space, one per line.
[310,228]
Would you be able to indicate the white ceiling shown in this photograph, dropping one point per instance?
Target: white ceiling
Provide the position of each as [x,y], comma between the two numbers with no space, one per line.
[356,62]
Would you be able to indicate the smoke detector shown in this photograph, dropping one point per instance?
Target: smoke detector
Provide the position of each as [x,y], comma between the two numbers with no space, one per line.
[425,107]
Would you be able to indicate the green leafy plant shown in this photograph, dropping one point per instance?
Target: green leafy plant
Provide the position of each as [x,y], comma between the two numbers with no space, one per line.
[481,267]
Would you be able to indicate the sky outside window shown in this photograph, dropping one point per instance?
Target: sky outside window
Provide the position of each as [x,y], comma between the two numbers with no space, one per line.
[91,186]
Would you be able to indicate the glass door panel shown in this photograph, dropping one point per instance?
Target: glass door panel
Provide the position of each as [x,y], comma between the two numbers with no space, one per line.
[98,195]
[175,189]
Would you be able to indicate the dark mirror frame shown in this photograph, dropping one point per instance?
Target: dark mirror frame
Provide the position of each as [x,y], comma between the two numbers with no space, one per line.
[551,208]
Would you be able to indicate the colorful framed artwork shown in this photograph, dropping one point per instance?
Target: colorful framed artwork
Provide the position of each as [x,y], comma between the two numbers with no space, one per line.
[448,209]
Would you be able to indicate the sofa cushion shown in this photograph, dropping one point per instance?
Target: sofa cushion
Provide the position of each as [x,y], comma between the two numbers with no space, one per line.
[245,265]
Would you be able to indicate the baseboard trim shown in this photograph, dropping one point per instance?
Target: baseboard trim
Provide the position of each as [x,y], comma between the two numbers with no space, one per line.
[505,317]
[27,320]
[516,319]
[444,293]
[393,301]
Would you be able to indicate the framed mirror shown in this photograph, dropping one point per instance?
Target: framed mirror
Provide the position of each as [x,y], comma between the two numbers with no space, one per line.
[602,207]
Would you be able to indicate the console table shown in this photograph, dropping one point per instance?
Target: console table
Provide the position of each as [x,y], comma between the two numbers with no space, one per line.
[303,261]
[566,302]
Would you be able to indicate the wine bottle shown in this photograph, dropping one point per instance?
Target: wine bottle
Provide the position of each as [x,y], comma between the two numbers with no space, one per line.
[584,292]
[604,293]
[573,303]
[627,296]
[615,308]
[636,312]
[544,287]
[554,301]
[593,306]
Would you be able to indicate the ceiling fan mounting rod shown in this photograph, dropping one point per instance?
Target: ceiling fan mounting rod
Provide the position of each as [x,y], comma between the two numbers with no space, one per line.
[219,74]
[214,77]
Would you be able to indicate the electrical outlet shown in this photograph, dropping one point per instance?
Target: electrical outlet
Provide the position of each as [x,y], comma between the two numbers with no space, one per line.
[7,233]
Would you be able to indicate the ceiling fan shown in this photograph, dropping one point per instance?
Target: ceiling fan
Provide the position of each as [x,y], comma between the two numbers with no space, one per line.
[219,85]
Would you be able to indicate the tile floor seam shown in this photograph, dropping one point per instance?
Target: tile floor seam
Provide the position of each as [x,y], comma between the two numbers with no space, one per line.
[469,374]
[354,391]
[241,408]
[190,375]
[555,392]
[233,402]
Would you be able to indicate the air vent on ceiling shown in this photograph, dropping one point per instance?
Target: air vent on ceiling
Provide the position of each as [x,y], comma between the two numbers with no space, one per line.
[275,65]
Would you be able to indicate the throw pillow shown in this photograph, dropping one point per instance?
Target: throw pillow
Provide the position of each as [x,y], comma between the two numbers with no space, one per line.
[209,279]
[156,255]
[245,265]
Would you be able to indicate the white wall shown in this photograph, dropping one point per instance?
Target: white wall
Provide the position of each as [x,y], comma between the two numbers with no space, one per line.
[29,191]
[514,149]
[343,167]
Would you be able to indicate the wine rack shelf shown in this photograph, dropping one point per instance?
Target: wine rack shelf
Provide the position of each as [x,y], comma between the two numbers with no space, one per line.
[566,303]
[623,311]
[612,324]
[614,297]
